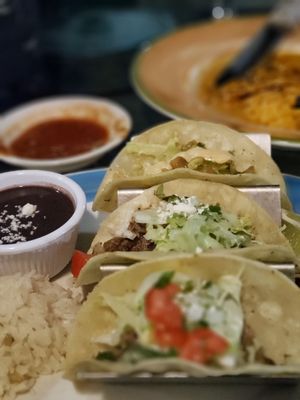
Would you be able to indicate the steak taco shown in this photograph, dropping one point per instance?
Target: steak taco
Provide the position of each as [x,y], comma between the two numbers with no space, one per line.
[188,149]
[207,315]
[185,216]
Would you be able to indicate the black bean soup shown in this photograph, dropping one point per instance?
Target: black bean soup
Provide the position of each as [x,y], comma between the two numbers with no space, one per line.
[30,212]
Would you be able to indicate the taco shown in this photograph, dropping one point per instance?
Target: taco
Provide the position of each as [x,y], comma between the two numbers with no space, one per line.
[188,149]
[207,315]
[186,216]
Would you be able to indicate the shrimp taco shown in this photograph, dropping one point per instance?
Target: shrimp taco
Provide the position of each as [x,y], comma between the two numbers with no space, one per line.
[188,149]
[185,216]
[207,315]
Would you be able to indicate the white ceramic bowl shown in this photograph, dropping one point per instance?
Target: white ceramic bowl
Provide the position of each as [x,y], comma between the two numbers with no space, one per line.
[51,253]
[109,114]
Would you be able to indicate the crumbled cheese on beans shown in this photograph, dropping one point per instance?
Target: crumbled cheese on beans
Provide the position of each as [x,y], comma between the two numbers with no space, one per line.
[14,224]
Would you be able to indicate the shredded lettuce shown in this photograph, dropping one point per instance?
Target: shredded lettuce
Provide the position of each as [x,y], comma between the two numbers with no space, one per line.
[159,151]
[137,352]
[183,224]
[124,307]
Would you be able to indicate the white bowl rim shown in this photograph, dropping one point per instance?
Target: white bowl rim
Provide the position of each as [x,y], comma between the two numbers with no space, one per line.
[59,180]
[64,161]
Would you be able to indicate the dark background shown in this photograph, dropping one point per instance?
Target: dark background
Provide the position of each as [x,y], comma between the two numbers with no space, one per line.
[57,47]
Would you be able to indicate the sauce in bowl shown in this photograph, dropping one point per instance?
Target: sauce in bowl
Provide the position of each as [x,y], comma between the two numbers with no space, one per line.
[30,212]
[59,138]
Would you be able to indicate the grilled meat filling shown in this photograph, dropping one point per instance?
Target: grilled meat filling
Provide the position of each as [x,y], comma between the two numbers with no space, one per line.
[139,243]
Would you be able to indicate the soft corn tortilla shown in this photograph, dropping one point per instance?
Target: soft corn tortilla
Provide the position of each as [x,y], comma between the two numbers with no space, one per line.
[272,247]
[127,170]
[270,302]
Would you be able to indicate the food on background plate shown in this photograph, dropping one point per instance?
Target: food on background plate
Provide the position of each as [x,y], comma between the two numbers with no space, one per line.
[188,149]
[185,216]
[166,74]
[208,315]
[35,318]
[268,95]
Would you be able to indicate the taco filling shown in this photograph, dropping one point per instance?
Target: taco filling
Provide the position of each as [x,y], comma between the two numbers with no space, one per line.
[171,315]
[185,149]
[180,223]
[192,155]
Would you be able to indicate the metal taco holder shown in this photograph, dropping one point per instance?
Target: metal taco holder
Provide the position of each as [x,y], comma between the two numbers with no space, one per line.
[172,377]
[287,269]
[267,196]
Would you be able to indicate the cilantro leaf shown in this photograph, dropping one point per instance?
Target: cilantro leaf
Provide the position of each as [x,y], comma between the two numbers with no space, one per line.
[164,279]
[106,356]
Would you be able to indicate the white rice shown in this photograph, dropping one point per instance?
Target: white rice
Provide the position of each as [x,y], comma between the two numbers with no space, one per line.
[35,316]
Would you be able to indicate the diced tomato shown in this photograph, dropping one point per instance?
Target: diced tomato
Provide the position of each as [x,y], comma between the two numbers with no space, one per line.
[161,309]
[192,351]
[169,337]
[79,259]
[202,344]
[216,344]
[172,289]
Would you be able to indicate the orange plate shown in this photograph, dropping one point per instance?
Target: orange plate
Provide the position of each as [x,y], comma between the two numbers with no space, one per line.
[166,75]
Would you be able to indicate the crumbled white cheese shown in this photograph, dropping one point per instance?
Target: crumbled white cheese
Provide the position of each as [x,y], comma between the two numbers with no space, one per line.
[194,312]
[227,361]
[184,208]
[183,205]
[191,305]
[28,209]
[13,226]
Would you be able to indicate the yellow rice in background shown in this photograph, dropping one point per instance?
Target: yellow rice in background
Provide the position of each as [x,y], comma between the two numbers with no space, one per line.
[269,94]
[35,316]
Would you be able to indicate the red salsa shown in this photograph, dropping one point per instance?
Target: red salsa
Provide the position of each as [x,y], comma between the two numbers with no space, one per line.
[59,138]
[30,212]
